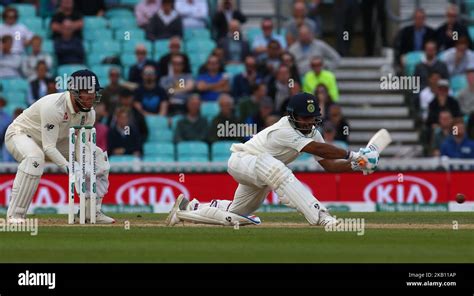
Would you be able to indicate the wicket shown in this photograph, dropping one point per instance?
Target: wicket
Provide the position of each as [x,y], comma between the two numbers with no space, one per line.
[82,181]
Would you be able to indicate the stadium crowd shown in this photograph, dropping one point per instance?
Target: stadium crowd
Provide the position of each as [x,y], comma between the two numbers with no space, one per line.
[175,71]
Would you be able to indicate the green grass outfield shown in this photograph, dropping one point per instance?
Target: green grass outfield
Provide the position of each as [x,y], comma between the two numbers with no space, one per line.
[283,237]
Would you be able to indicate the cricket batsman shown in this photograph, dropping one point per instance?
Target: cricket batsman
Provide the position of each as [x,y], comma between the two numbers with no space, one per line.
[259,166]
[42,132]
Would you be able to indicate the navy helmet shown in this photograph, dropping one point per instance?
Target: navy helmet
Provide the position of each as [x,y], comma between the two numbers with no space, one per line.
[84,80]
[304,105]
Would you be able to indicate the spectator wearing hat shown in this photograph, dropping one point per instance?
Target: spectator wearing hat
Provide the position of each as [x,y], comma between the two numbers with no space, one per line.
[442,101]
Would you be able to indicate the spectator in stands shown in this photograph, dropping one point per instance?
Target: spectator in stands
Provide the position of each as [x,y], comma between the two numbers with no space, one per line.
[39,86]
[345,15]
[126,102]
[260,42]
[451,30]
[123,138]
[441,132]
[269,61]
[193,127]
[165,24]
[336,118]
[135,72]
[319,75]
[429,93]
[325,100]
[194,13]
[307,47]
[110,94]
[371,28]
[90,8]
[442,101]
[466,96]
[150,97]
[226,114]
[66,16]
[265,110]
[6,156]
[145,10]
[5,120]
[10,63]
[288,59]
[219,53]
[68,47]
[329,135]
[20,33]
[224,15]
[459,58]
[430,63]
[249,106]
[235,46]
[293,26]
[178,84]
[413,37]
[280,88]
[242,83]
[102,130]
[213,82]
[458,145]
[30,61]
[165,65]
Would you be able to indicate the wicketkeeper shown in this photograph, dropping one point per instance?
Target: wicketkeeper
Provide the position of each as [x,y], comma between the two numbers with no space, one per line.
[259,166]
[42,132]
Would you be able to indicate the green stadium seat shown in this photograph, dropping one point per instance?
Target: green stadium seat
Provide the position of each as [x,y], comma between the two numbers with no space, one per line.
[221,150]
[48,46]
[198,33]
[129,2]
[161,48]
[198,58]
[129,34]
[198,45]
[158,149]
[32,23]
[99,34]
[122,158]
[25,10]
[103,70]
[15,96]
[458,83]
[123,22]
[129,46]
[11,107]
[119,12]
[192,151]
[94,23]
[251,33]
[96,58]
[106,46]
[209,110]
[155,122]
[128,59]
[163,135]
[234,69]
[1,9]
[471,32]
[158,158]
[14,84]
[174,121]
[411,60]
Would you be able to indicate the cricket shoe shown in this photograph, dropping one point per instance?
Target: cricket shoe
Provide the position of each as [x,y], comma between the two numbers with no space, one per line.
[180,204]
[325,219]
[100,218]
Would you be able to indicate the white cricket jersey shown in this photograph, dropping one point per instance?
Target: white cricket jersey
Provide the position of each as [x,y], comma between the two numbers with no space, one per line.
[47,122]
[280,140]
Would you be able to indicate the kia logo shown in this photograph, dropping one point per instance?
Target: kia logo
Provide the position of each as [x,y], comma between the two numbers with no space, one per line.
[390,190]
[149,191]
[48,193]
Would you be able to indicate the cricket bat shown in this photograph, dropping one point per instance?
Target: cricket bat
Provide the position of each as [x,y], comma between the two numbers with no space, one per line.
[378,142]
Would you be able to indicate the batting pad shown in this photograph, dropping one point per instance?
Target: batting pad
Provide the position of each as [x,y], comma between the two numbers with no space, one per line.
[280,178]
[24,188]
[216,216]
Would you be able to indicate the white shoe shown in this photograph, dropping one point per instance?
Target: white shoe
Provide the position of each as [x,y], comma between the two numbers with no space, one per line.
[13,220]
[101,218]
[180,204]
[325,219]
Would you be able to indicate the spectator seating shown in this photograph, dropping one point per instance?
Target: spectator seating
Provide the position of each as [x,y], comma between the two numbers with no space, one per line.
[411,60]
[25,10]
[209,110]
[159,151]
[458,83]
[195,151]
[221,151]
[122,158]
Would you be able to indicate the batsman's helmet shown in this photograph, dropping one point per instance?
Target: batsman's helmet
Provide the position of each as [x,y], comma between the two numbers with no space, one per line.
[304,105]
[84,80]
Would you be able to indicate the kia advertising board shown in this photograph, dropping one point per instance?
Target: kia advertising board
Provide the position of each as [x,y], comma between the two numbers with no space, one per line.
[383,191]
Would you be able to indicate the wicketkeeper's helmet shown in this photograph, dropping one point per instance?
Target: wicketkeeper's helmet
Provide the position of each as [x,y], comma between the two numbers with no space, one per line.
[84,80]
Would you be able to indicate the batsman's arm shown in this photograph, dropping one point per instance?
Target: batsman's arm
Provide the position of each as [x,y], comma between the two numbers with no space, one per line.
[328,151]
[336,165]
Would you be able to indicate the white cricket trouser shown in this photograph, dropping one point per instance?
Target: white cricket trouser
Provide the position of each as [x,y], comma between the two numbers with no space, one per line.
[251,192]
